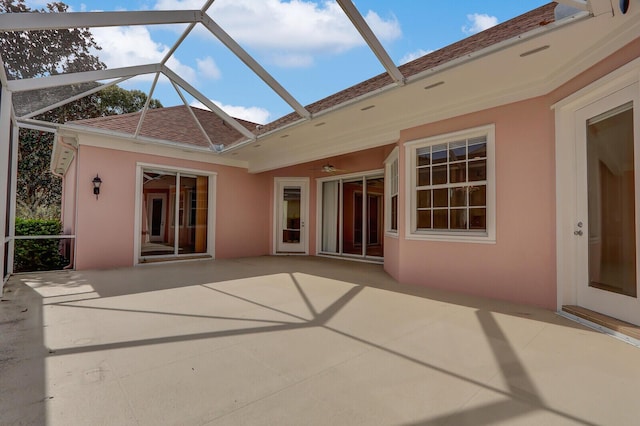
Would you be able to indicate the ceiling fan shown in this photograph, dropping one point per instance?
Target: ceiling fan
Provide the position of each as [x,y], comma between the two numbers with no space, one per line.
[328,168]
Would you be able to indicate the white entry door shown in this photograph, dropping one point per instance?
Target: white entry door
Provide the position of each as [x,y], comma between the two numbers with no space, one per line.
[157,214]
[291,209]
[607,215]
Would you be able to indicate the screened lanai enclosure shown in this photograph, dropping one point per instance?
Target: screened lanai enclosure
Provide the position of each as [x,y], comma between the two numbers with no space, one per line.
[43,71]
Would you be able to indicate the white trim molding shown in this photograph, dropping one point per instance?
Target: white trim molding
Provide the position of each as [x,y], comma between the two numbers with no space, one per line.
[624,78]
[211,207]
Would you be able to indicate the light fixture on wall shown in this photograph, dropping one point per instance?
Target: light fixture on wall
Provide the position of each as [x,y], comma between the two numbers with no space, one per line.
[96,185]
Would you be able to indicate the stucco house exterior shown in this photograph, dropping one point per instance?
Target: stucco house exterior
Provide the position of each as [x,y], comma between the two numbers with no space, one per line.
[504,166]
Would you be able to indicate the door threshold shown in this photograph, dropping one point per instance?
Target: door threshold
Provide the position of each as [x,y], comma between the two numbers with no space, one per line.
[622,330]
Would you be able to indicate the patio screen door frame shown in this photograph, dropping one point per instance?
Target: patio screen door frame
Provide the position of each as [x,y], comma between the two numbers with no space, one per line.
[281,247]
[618,87]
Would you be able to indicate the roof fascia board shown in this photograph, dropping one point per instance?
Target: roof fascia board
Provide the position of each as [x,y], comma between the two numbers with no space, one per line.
[58,21]
[578,17]
[374,44]
[80,77]
[248,60]
[138,144]
[213,107]
[73,98]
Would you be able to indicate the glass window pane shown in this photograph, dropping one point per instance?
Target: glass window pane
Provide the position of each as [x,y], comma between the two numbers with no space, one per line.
[478,219]
[424,156]
[611,201]
[458,151]
[439,154]
[441,219]
[458,172]
[458,197]
[439,175]
[291,214]
[458,218]
[158,211]
[394,213]
[330,216]
[423,176]
[477,148]
[423,219]
[477,170]
[192,232]
[352,203]
[424,199]
[441,197]
[478,195]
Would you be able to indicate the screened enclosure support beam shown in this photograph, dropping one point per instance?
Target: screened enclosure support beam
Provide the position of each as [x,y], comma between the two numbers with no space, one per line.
[237,50]
[193,115]
[145,108]
[13,196]
[73,98]
[80,77]
[5,184]
[209,104]
[177,44]
[374,44]
[60,21]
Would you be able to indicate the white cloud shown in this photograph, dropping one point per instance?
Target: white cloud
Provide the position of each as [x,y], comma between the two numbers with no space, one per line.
[414,55]
[127,46]
[207,67]
[291,33]
[254,114]
[479,22]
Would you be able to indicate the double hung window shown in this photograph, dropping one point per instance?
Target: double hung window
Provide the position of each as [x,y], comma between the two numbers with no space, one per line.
[452,186]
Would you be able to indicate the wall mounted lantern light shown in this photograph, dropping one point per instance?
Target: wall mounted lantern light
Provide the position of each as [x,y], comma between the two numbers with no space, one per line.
[96,185]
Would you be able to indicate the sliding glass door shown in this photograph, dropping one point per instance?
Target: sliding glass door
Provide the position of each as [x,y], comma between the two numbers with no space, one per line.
[174,213]
[352,216]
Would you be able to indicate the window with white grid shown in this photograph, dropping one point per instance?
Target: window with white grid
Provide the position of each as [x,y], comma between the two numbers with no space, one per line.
[452,186]
[391,201]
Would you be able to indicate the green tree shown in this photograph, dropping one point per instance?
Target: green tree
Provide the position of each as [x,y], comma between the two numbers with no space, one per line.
[29,54]
[46,52]
[116,100]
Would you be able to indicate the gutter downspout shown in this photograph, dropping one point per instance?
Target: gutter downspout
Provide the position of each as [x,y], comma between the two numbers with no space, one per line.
[56,141]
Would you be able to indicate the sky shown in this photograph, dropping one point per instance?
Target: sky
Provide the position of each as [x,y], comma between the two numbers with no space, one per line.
[309,46]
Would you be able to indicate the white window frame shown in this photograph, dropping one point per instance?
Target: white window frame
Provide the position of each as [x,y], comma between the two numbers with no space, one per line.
[392,188]
[211,206]
[488,236]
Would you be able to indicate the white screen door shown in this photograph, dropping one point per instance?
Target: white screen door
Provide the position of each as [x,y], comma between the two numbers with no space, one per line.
[607,205]
[291,202]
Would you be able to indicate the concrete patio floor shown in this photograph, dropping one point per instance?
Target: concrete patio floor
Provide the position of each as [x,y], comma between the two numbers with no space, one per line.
[295,341]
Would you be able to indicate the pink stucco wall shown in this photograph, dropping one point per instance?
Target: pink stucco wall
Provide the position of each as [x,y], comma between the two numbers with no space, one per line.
[360,161]
[105,227]
[520,266]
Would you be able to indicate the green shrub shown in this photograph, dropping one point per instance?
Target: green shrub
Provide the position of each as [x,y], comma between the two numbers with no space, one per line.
[38,255]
